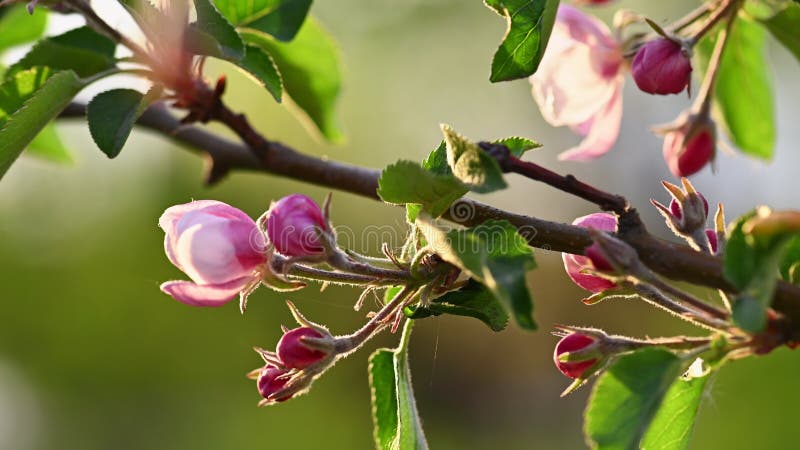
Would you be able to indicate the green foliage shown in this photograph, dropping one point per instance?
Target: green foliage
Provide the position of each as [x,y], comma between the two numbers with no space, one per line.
[47,145]
[672,425]
[495,255]
[210,21]
[279,18]
[81,50]
[28,102]
[529,25]
[518,145]
[744,88]
[640,400]
[752,261]
[309,66]
[260,66]
[19,27]
[473,300]
[112,114]
[784,27]
[397,422]
[408,182]
[470,164]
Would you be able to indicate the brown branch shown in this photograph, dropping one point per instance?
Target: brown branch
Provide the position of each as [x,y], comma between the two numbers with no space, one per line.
[671,260]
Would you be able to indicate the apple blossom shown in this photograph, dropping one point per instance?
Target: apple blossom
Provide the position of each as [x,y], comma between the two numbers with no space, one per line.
[217,246]
[571,343]
[293,226]
[593,257]
[662,66]
[296,354]
[579,82]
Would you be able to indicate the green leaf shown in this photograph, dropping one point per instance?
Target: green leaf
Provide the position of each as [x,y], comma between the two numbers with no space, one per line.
[529,25]
[627,397]
[784,27]
[28,102]
[309,66]
[81,50]
[260,66]
[671,428]
[384,397]
[48,146]
[280,18]
[473,300]
[112,114]
[744,88]
[518,145]
[397,422]
[752,263]
[19,27]
[470,164]
[495,255]
[408,182]
[212,22]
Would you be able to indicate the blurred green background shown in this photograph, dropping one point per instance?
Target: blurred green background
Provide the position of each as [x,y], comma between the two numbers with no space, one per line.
[93,356]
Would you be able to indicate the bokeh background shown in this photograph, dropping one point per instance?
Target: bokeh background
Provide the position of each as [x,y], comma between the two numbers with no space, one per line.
[94,357]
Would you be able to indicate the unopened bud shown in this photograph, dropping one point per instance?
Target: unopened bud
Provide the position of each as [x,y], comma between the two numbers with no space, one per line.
[271,380]
[575,265]
[689,144]
[573,343]
[662,66]
[296,352]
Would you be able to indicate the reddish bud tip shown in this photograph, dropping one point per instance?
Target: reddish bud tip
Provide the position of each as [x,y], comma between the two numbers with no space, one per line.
[572,343]
[593,259]
[712,240]
[661,66]
[293,224]
[675,207]
[294,353]
[686,151]
[271,380]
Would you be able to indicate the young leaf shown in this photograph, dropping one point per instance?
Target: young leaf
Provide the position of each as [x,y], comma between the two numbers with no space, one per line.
[470,164]
[473,300]
[309,66]
[47,145]
[627,397]
[112,114]
[397,422]
[260,66]
[408,182]
[744,88]
[784,26]
[518,145]
[672,426]
[81,50]
[384,397]
[495,255]
[210,21]
[19,27]
[28,102]
[754,254]
[279,18]
[529,25]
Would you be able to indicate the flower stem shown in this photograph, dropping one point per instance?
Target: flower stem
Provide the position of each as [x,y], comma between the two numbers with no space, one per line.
[722,10]
[347,344]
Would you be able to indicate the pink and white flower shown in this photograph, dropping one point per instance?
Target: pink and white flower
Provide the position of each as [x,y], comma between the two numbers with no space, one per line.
[579,82]
[217,246]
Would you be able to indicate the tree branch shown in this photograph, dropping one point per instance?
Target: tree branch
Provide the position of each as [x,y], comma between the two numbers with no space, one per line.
[674,261]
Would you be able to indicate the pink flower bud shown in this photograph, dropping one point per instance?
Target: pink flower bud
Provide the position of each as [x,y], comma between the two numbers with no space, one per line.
[218,246]
[294,353]
[271,380]
[713,241]
[293,226]
[593,258]
[690,147]
[572,343]
[675,207]
[662,66]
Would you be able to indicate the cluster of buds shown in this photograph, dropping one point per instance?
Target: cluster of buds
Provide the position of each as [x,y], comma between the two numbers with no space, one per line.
[687,215]
[227,254]
[301,356]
